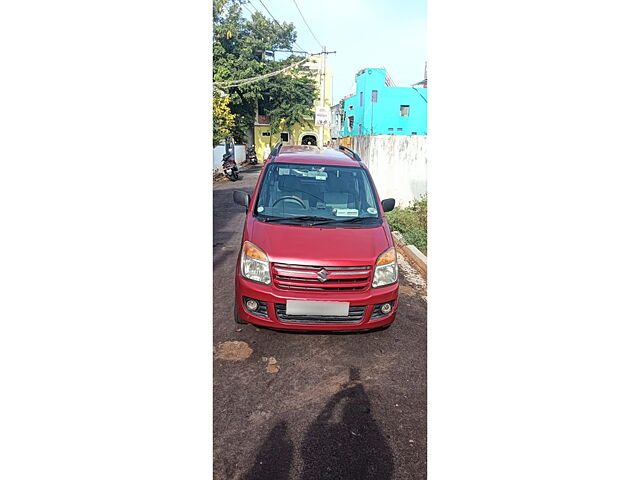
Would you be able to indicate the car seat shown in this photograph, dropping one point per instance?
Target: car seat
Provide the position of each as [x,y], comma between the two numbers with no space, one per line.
[340,191]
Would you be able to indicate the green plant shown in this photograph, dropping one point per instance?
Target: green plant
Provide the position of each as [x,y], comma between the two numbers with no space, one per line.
[223,119]
[411,222]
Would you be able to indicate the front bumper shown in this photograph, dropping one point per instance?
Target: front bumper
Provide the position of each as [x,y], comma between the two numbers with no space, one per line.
[272,296]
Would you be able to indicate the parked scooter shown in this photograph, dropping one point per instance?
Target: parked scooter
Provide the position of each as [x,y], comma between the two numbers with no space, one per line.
[229,167]
[252,158]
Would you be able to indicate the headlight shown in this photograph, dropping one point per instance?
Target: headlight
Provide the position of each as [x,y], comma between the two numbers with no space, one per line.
[386,268]
[254,264]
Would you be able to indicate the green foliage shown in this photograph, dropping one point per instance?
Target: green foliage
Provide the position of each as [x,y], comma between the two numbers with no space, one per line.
[411,222]
[243,49]
[223,119]
[286,102]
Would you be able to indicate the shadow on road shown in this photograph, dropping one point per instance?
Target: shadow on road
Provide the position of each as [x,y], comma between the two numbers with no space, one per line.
[274,458]
[325,332]
[346,442]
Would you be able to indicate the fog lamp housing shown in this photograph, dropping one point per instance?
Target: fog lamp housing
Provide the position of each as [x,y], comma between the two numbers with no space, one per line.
[251,304]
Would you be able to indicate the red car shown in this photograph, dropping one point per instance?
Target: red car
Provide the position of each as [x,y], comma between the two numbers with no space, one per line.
[317,252]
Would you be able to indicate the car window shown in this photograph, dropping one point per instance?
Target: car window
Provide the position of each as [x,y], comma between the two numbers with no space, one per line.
[328,192]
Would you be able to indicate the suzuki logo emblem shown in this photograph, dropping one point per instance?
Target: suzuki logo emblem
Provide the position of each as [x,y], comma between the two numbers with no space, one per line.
[322,275]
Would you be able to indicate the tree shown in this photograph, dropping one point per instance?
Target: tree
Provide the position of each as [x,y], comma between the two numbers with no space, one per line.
[245,49]
[223,119]
[286,102]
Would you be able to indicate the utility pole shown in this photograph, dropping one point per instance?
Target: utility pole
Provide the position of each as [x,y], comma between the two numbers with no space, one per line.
[323,66]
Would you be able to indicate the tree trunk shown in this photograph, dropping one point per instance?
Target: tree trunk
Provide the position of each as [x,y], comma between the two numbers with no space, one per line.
[251,136]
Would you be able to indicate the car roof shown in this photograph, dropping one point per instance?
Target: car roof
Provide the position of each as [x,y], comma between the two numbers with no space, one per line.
[315,155]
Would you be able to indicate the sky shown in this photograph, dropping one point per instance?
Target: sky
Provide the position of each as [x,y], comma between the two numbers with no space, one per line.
[364,33]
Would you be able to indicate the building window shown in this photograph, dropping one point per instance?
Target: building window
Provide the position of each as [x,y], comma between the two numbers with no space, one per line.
[266,134]
[359,129]
[350,107]
[361,97]
[350,125]
[391,129]
[284,137]
[404,110]
[398,129]
[374,96]
[414,133]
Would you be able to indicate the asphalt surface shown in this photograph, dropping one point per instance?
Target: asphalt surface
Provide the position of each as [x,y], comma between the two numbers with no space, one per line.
[307,406]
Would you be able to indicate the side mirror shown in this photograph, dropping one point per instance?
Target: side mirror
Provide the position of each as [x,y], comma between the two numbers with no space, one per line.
[388,204]
[242,198]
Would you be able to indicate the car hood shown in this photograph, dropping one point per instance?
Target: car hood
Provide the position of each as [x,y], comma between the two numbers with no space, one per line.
[321,246]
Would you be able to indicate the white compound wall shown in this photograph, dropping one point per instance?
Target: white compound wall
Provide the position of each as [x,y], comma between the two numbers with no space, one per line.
[398,164]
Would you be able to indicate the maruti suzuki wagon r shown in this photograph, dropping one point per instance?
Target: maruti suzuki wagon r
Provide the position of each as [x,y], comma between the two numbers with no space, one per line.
[317,252]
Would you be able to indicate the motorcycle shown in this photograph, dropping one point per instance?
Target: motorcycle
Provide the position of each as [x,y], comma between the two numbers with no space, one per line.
[229,167]
[252,158]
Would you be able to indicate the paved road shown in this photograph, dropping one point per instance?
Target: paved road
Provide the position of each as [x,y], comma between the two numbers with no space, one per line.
[305,406]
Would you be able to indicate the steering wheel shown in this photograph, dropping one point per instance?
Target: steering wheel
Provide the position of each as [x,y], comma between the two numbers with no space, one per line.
[290,197]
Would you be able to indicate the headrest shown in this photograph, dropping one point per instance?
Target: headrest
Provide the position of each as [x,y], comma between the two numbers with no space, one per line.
[289,182]
[343,183]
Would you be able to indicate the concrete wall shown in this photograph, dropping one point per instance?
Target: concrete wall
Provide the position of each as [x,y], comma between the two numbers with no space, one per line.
[218,152]
[239,151]
[398,164]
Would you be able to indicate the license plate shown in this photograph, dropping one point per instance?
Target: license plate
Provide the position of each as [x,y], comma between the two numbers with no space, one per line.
[308,307]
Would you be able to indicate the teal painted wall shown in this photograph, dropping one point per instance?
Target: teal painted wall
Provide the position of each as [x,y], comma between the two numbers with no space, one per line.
[383,117]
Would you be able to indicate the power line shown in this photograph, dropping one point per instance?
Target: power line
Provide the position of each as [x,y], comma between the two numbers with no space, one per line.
[244,81]
[305,22]
[247,8]
[423,98]
[265,7]
[274,19]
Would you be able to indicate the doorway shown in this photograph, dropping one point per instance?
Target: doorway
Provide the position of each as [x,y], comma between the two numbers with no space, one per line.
[309,139]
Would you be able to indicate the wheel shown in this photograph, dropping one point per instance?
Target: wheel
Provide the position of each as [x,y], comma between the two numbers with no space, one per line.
[236,317]
[234,176]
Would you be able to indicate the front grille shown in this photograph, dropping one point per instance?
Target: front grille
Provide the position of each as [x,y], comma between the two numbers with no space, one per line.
[356,313]
[309,277]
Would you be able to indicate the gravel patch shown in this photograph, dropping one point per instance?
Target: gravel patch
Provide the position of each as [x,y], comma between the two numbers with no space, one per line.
[412,276]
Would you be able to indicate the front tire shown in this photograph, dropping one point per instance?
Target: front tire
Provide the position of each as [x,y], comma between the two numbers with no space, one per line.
[236,317]
[234,176]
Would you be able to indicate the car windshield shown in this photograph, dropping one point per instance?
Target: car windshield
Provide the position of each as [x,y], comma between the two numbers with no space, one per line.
[305,194]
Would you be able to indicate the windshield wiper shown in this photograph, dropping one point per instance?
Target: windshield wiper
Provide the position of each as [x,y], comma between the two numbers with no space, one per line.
[317,220]
[302,218]
[356,219]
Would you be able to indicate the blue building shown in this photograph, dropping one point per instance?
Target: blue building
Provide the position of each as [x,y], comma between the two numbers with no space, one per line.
[380,108]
